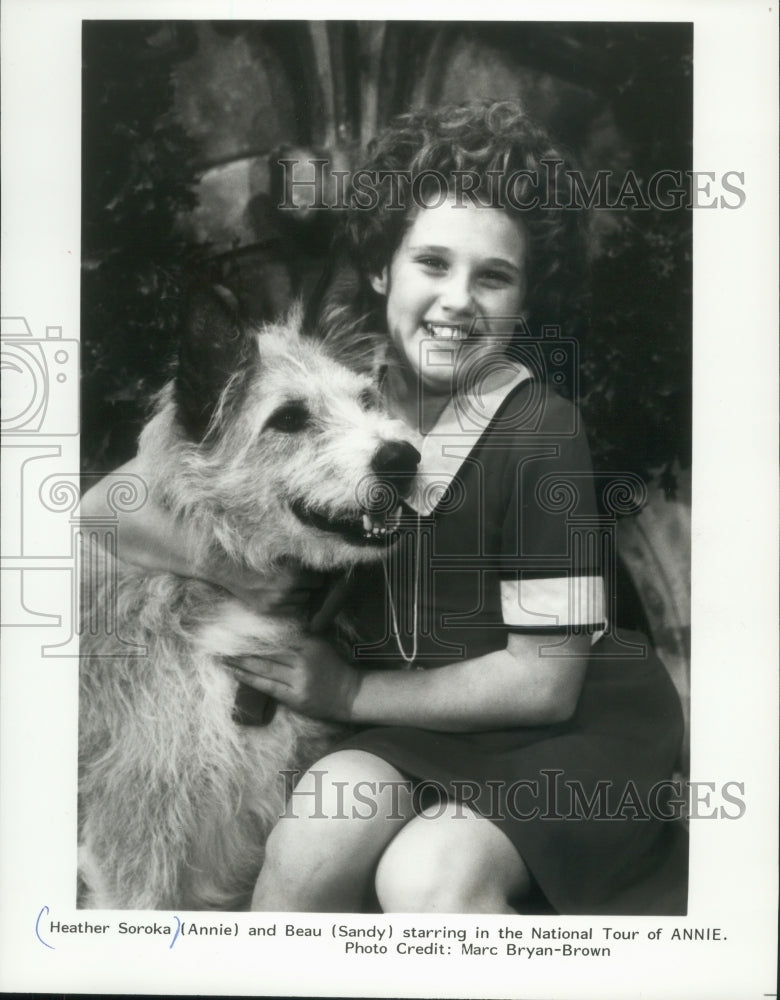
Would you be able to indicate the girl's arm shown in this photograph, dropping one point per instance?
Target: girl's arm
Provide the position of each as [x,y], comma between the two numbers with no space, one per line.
[517,686]
[150,537]
[147,537]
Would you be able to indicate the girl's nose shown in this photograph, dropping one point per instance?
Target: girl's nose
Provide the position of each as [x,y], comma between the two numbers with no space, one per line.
[456,294]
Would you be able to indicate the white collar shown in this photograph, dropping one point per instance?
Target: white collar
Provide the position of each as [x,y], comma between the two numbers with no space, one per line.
[448,443]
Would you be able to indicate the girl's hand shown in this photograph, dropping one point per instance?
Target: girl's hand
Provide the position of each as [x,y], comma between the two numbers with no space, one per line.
[311,678]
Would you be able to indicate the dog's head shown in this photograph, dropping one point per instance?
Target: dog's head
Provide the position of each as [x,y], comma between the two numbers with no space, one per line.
[272,448]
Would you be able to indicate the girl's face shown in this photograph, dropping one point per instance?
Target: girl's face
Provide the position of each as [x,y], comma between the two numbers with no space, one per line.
[455,290]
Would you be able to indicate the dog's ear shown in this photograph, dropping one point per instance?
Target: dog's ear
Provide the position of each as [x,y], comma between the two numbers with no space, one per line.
[214,352]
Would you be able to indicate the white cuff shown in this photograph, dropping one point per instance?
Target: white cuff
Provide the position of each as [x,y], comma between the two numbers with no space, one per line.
[553,602]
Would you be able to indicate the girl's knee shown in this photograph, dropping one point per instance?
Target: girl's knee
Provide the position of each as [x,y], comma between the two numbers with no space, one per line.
[349,804]
[350,784]
[406,882]
[450,865]
[322,853]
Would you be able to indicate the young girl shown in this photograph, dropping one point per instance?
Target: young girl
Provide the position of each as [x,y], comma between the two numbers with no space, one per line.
[517,753]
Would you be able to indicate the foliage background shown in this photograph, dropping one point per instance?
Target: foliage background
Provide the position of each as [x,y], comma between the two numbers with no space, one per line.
[179,119]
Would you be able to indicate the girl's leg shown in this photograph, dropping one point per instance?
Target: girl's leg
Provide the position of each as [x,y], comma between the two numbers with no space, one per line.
[450,860]
[322,855]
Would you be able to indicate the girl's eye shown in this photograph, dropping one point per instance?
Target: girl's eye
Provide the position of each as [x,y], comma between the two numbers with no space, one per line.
[496,279]
[432,263]
[291,418]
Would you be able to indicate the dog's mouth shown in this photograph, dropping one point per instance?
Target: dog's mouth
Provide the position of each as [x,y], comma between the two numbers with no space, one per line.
[363,528]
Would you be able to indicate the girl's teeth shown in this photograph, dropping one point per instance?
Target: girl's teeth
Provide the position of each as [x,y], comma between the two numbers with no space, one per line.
[445,332]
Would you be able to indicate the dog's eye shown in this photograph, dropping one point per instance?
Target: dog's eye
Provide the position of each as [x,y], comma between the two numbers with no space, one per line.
[368,399]
[290,418]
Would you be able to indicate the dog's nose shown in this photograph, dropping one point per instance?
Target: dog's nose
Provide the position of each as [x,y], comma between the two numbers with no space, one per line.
[396,461]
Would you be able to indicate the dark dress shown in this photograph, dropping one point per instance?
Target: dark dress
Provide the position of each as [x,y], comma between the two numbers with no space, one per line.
[511,540]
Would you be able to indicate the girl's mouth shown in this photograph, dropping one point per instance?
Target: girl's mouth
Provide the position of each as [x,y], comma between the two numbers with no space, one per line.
[447,331]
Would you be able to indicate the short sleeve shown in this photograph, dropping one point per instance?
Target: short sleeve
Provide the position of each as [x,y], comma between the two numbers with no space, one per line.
[552,537]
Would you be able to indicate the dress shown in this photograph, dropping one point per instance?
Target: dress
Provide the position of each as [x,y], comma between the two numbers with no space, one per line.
[509,538]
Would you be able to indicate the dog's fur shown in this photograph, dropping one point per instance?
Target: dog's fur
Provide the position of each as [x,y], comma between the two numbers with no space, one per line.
[255,433]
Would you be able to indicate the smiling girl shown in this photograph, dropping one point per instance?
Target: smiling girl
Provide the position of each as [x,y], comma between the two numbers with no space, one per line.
[456,265]
[512,767]
[508,746]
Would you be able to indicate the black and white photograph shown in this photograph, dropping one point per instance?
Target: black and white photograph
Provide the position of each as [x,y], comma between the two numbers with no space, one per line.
[445,486]
[378,505]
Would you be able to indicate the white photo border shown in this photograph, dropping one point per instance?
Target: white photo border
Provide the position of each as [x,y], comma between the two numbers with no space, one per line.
[733,868]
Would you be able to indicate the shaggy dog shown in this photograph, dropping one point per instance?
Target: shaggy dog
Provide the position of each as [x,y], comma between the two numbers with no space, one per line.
[266,448]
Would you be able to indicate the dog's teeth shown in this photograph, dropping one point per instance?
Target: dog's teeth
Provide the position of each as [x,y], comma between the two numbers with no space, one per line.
[367,524]
[394,518]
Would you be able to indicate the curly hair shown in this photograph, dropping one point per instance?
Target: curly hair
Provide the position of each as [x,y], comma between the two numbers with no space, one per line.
[517,168]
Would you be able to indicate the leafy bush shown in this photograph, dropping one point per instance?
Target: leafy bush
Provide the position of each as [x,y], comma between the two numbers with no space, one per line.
[137,176]
[139,167]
